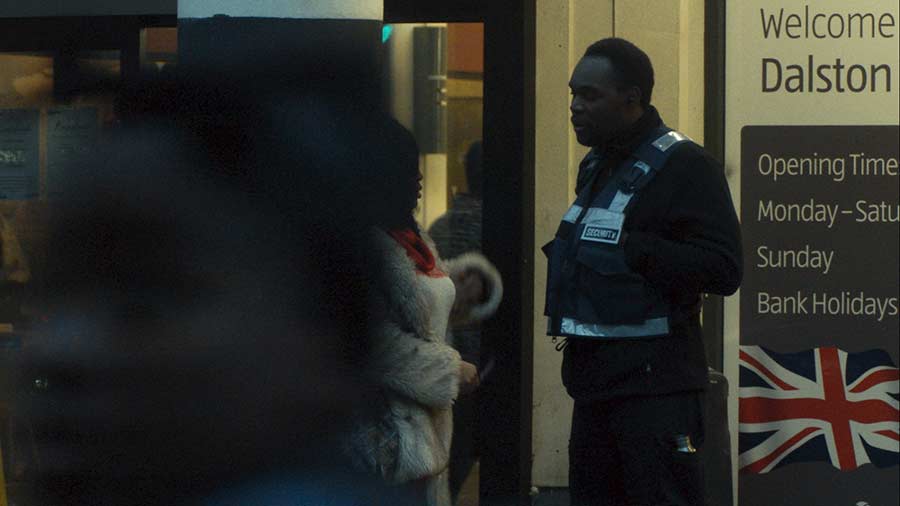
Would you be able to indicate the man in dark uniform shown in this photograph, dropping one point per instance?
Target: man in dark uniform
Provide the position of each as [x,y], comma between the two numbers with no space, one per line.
[458,230]
[652,228]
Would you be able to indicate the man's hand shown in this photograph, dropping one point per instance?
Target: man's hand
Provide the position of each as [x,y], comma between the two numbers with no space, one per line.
[468,377]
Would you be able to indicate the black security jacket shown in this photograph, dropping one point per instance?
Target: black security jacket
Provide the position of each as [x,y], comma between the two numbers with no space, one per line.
[683,236]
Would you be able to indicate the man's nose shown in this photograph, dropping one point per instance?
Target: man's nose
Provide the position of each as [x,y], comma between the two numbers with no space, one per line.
[576,105]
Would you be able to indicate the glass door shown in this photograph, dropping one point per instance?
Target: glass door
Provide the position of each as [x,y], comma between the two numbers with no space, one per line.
[434,85]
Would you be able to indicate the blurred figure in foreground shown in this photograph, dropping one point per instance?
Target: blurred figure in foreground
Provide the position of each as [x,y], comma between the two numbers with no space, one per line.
[202,320]
[403,433]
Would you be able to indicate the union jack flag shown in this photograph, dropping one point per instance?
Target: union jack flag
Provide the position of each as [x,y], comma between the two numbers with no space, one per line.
[822,404]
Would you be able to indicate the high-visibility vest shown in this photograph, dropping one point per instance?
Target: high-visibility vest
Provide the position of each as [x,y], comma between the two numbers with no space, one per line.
[591,291]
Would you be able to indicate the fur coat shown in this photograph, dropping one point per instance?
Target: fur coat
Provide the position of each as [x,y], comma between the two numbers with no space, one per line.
[405,434]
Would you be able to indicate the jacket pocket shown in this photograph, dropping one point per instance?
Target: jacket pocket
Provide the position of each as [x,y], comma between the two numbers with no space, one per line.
[548,248]
[614,292]
[553,250]
[373,444]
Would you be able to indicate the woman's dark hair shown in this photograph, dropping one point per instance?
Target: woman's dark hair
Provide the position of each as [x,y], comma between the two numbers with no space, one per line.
[394,162]
[631,65]
[396,151]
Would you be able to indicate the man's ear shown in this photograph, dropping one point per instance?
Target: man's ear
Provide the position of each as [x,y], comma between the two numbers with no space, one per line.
[633,95]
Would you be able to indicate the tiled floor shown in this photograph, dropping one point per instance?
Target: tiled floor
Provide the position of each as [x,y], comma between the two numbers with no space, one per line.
[468,496]
[551,497]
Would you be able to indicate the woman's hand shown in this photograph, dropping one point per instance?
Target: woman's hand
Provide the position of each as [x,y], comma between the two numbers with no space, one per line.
[468,377]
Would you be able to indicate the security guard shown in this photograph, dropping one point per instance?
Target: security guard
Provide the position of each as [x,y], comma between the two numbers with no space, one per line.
[652,228]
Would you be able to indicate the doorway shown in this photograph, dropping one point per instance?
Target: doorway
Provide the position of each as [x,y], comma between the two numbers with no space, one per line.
[434,82]
[507,126]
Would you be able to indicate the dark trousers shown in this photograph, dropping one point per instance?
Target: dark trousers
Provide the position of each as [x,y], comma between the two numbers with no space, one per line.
[630,452]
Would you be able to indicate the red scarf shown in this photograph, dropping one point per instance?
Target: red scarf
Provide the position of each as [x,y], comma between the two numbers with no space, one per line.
[417,251]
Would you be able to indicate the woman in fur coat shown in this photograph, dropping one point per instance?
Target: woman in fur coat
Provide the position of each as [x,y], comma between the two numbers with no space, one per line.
[404,434]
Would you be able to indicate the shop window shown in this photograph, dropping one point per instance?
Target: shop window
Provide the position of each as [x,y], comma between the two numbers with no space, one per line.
[159,50]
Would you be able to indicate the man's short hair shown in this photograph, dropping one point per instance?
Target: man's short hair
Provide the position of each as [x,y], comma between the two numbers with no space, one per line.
[631,65]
